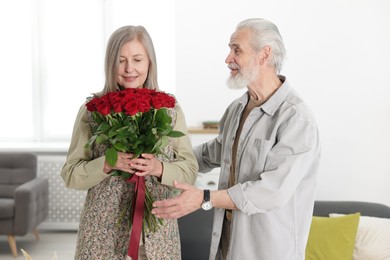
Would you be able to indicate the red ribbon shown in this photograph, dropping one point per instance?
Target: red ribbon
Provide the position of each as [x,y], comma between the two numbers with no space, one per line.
[138,215]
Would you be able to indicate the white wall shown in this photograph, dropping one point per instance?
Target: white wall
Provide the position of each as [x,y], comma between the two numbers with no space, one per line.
[338,54]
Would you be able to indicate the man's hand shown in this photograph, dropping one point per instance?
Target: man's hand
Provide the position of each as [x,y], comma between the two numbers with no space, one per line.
[187,202]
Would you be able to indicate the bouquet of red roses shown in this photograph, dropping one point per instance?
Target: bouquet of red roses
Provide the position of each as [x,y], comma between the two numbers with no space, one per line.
[134,121]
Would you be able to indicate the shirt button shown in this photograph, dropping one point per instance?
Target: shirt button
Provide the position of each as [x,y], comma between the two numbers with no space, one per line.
[215,234]
[226,160]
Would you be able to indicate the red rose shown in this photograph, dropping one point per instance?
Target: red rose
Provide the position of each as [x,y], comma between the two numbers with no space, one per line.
[170,101]
[157,102]
[115,99]
[91,105]
[103,106]
[143,104]
[127,97]
[131,107]
[163,100]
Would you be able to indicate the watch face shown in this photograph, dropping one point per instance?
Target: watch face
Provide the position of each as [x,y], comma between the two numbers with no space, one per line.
[207,205]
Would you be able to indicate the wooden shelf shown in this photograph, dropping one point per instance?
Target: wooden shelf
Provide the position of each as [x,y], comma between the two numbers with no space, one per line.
[199,130]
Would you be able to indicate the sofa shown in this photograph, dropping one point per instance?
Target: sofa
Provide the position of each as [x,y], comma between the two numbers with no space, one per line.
[195,229]
[349,230]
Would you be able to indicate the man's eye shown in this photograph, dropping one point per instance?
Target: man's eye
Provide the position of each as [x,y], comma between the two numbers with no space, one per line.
[136,60]
[122,61]
[236,51]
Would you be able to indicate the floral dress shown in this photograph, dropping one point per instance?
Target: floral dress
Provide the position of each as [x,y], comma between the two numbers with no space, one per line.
[105,234]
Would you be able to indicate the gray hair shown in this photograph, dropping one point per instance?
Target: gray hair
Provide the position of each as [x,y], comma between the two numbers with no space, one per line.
[118,38]
[266,34]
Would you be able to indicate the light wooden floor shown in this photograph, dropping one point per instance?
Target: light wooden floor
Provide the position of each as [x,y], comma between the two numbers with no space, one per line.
[60,243]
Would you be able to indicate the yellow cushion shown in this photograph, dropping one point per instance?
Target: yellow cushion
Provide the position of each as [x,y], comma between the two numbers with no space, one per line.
[372,238]
[332,238]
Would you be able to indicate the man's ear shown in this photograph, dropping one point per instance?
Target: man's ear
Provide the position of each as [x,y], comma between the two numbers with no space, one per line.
[265,54]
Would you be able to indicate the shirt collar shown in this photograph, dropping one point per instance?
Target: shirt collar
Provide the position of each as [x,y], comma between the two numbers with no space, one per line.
[274,102]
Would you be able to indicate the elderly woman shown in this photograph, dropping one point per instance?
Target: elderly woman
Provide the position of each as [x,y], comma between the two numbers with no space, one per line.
[130,63]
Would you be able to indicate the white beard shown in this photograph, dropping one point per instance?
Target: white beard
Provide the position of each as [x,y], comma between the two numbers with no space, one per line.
[237,82]
[243,77]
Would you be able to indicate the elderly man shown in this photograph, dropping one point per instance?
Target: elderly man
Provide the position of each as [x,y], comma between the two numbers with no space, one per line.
[268,149]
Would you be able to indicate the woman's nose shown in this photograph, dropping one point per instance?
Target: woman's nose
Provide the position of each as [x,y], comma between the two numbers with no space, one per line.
[127,67]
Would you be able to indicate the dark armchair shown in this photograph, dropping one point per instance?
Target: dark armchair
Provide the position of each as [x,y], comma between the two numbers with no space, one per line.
[24,197]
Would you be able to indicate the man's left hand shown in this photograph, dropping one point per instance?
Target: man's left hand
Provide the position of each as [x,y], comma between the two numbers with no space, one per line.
[187,202]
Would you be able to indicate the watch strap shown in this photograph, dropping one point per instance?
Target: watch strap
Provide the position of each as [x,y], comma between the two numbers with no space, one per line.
[206,195]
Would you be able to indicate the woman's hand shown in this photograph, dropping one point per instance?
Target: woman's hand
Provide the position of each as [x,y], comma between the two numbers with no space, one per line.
[123,163]
[148,164]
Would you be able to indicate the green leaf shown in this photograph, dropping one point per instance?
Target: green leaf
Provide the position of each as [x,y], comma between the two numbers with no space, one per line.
[116,173]
[97,117]
[132,128]
[162,117]
[111,156]
[103,127]
[123,129]
[121,115]
[120,147]
[125,138]
[114,122]
[90,142]
[164,142]
[129,120]
[151,147]
[113,131]
[175,134]
[101,138]
[138,151]
[156,147]
[165,130]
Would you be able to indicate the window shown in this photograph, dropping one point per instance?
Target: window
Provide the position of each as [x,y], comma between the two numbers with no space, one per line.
[53,56]
[16,104]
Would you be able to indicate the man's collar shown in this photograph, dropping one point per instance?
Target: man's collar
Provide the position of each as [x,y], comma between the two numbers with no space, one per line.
[273,103]
[280,95]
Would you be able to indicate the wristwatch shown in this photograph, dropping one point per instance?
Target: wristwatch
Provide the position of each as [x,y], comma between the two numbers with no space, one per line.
[206,204]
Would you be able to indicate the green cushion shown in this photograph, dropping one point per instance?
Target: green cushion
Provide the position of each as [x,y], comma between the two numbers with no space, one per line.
[332,238]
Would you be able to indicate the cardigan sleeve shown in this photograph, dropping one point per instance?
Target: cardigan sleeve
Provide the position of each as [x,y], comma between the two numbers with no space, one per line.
[80,170]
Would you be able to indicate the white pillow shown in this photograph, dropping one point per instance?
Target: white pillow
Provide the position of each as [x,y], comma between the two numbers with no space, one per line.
[372,239]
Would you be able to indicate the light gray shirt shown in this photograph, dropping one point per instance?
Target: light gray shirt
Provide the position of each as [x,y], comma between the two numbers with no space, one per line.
[277,162]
